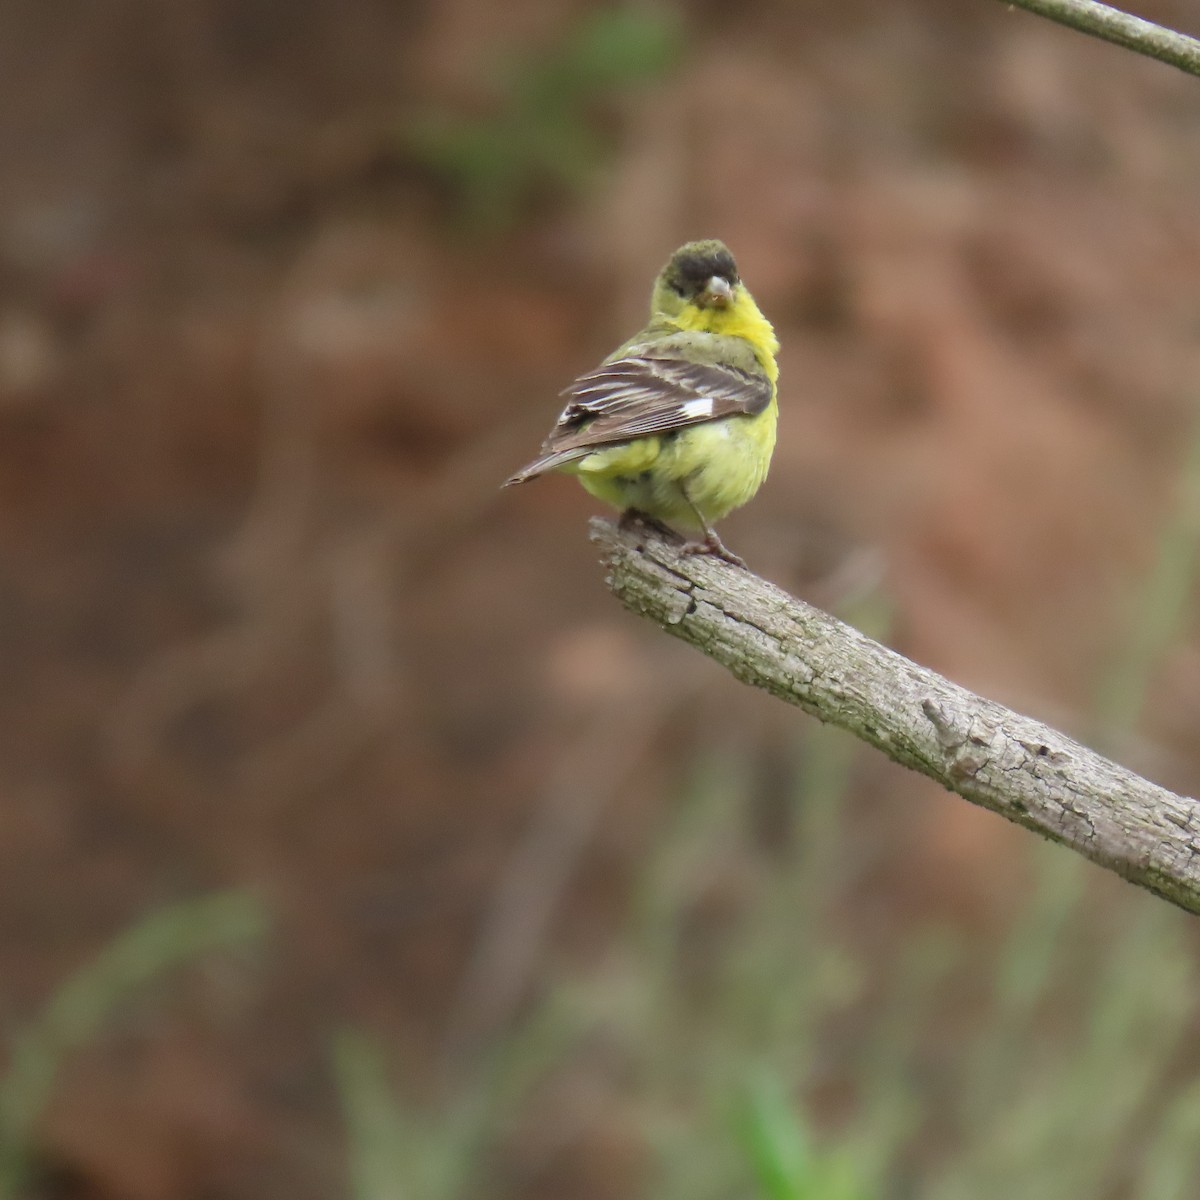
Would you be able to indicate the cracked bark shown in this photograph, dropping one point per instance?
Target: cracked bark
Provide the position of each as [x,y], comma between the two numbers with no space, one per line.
[994,757]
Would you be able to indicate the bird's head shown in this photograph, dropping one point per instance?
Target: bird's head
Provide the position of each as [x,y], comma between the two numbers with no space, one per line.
[702,274]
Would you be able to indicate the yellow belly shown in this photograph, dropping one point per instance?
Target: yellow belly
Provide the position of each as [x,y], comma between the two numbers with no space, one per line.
[717,466]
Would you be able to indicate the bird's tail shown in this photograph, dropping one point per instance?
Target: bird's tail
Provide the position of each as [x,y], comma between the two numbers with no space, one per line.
[547,462]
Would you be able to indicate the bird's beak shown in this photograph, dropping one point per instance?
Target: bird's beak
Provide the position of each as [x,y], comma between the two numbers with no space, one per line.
[717,293]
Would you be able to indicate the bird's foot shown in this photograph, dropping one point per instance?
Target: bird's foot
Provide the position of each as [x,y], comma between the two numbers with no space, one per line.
[711,544]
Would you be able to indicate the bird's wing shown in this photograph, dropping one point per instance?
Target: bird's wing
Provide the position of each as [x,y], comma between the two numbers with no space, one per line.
[639,395]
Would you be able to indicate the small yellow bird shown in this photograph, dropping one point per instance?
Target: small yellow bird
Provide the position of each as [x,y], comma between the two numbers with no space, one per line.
[677,424]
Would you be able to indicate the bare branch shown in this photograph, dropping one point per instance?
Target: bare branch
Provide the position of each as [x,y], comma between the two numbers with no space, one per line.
[1120,28]
[996,758]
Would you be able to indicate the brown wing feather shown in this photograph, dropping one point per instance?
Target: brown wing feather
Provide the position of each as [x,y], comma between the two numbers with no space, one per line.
[635,397]
[642,395]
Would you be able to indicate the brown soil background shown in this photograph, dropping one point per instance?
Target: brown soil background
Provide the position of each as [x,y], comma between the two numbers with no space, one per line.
[265,618]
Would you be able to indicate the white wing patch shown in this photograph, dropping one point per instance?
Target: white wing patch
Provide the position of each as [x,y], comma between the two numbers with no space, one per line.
[643,395]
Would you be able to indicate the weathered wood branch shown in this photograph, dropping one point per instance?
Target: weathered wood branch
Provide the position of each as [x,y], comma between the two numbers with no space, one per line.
[996,758]
[1121,28]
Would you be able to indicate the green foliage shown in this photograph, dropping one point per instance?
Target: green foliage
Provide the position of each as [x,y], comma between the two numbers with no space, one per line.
[742,975]
[1047,1092]
[1079,1048]
[543,131]
[779,1150]
[164,942]
[401,1148]
[397,1151]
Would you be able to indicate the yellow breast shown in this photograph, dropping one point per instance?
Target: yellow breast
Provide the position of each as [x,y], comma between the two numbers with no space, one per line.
[741,319]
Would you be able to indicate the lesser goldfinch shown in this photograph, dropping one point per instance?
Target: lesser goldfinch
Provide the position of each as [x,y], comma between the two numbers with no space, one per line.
[678,423]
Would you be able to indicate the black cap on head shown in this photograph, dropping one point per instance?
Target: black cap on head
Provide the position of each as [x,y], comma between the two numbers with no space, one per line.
[693,265]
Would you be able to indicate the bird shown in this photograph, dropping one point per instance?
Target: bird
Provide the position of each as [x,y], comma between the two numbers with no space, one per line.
[678,424]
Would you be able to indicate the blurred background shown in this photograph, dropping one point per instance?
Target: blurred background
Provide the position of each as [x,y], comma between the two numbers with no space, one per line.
[353,840]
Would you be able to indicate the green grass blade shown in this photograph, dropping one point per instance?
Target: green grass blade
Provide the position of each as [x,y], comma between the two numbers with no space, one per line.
[78,1012]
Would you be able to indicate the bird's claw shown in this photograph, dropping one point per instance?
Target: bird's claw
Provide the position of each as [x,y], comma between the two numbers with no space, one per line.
[711,544]
[633,518]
